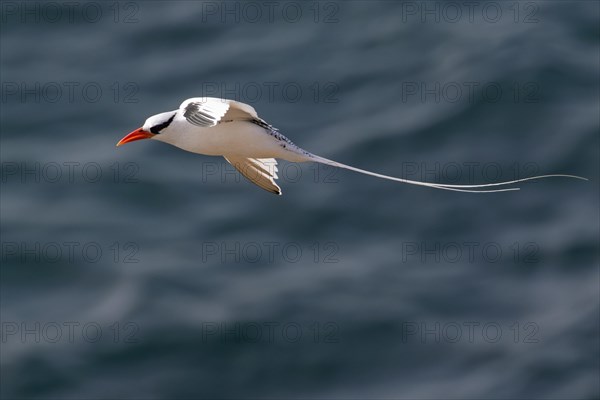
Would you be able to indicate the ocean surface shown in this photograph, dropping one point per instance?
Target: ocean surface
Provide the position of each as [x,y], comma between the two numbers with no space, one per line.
[145,272]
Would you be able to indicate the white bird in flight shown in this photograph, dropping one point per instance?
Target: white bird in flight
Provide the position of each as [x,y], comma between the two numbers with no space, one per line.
[228,128]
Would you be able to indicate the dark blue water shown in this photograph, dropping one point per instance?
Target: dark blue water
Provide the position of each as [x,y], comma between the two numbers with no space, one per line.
[147,272]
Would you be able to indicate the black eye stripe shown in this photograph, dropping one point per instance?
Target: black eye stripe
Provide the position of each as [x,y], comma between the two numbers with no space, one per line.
[157,128]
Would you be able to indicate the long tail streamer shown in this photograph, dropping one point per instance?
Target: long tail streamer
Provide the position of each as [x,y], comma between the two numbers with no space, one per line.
[443,186]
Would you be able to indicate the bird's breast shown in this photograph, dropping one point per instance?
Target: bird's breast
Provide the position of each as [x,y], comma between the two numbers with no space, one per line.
[239,138]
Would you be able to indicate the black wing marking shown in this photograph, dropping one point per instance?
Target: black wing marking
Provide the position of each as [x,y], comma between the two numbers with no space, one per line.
[284,141]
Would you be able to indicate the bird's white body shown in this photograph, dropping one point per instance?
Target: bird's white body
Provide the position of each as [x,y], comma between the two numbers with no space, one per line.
[221,127]
[236,138]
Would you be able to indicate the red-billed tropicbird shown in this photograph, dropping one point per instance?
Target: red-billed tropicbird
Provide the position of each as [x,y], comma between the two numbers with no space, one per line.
[228,128]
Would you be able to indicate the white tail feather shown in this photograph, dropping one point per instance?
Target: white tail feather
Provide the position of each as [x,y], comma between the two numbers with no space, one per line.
[442,186]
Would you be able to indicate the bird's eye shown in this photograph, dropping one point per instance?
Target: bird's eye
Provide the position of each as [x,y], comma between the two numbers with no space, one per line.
[157,128]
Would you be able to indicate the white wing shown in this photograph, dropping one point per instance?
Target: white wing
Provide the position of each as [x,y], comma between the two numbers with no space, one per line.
[260,171]
[209,111]
[204,112]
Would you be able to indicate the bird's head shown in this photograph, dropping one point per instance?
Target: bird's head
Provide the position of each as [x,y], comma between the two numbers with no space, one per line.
[155,125]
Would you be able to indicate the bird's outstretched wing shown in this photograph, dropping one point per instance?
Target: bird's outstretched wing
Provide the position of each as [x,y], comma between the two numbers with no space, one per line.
[260,171]
[209,111]
[204,112]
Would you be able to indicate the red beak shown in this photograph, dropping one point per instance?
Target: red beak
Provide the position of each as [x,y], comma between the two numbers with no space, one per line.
[138,134]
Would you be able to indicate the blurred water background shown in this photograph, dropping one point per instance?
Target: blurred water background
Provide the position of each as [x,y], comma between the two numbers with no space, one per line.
[147,272]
